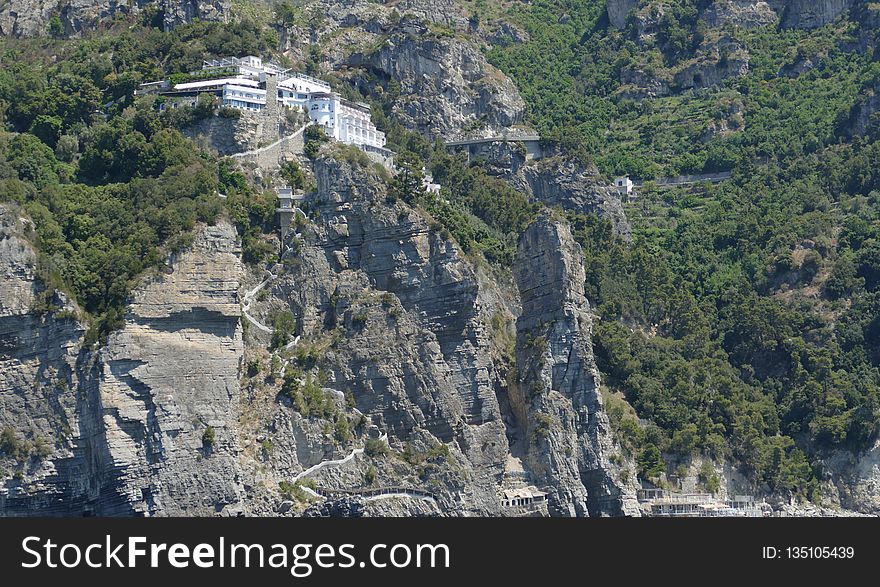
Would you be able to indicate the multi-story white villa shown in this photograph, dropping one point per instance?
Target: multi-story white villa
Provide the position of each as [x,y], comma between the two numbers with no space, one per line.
[243,83]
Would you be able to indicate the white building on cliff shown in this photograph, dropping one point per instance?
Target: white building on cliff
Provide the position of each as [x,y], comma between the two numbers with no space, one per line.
[243,83]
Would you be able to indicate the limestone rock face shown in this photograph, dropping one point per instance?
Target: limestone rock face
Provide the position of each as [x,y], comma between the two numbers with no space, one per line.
[123,427]
[863,116]
[619,10]
[416,355]
[742,13]
[576,186]
[712,65]
[803,14]
[228,135]
[30,18]
[556,181]
[810,14]
[445,12]
[178,12]
[38,383]
[447,88]
[569,438]
[856,479]
[170,375]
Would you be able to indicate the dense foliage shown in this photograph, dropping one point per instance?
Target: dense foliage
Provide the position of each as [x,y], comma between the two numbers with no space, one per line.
[110,184]
[743,321]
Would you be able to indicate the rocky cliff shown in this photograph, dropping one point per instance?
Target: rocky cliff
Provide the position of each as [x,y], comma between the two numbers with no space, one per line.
[804,14]
[567,433]
[171,374]
[40,344]
[121,430]
[619,11]
[447,88]
[555,180]
[29,18]
[409,318]
[810,14]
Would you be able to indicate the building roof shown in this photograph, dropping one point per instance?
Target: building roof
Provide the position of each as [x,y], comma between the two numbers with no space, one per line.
[217,82]
[529,492]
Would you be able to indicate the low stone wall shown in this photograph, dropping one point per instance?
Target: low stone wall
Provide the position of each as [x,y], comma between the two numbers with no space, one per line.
[227,136]
[270,156]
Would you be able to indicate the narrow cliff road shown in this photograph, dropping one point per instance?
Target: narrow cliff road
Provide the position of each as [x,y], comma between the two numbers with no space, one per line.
[371,494]
[275,145]
[246,304]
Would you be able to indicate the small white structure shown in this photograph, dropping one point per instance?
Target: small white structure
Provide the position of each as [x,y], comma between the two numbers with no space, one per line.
[624,185]
[428,183]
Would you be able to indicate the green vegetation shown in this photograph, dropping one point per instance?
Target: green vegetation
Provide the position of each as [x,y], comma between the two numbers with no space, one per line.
[21,449]
[283,327]
[295,490]
[314,137]
[370,476]
[375,448]
[293,175]
[110,184]
[209,437]
[742,320]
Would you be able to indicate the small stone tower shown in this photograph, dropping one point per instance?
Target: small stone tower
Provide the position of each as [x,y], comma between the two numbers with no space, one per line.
[286,209]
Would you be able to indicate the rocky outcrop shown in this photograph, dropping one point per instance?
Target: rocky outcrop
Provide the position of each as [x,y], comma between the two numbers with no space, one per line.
[122,430]
[226,136]
[444,12]
[742,13]
[30,18]
[556,180]
[619,10]
[40,342]
[178,12]
[856,479]
[169,376]
[714,63]
[810,14]
[863,117]
[570,445]
[573,185]
[416,354]
[447,88]
[803,14]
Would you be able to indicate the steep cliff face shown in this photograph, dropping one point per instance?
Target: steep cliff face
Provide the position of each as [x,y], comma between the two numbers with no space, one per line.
[619,11]
[576,186]
[810,14]
[569,441]
[445,12]
[120,430]
[409,318]
[178,12]
[743,13]
[556,181]
[856,479]
[803,14]
[39,404]
[30,18]
[447,88]
[863,117]
[170,375]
